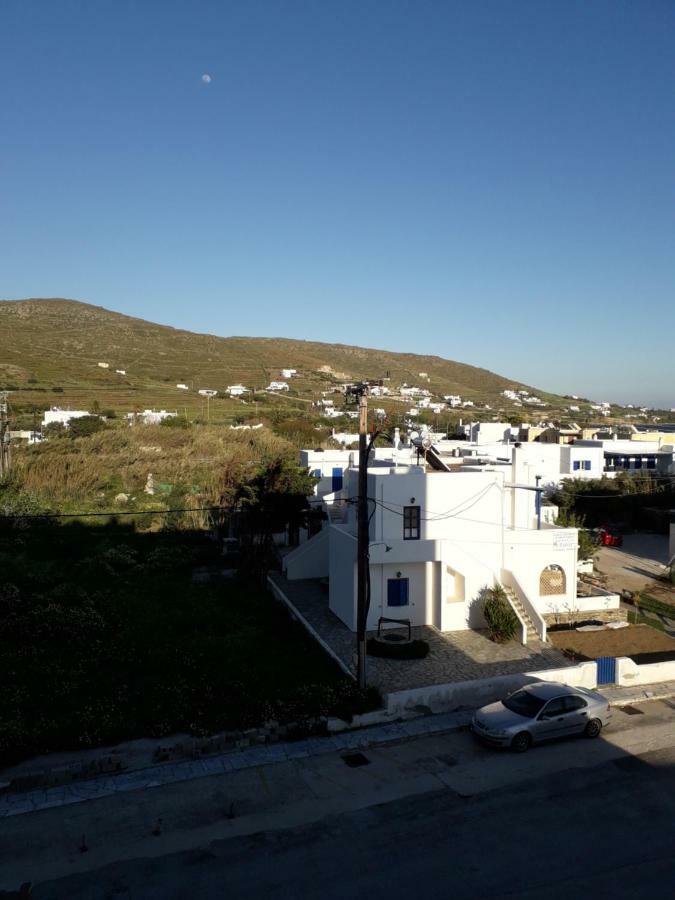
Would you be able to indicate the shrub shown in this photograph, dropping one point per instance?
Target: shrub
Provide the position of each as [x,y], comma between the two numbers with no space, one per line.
[175,422]
[501,620]
[84,426]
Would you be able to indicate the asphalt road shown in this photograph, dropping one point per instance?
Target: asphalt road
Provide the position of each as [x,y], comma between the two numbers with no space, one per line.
[576,816]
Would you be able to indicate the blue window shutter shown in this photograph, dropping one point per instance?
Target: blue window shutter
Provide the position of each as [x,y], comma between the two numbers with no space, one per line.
[317,473]
[397,592]
[336,484]
[576,465]
[651,462]
[587,465]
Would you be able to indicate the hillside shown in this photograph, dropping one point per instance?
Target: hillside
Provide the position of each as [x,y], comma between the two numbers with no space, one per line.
[47,344]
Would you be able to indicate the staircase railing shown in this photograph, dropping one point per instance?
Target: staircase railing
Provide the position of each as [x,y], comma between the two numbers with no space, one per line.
[523,624]
[509,580]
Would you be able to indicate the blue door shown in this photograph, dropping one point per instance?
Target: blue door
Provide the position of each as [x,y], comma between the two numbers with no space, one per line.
[336,484]
[397,592]
[606,669]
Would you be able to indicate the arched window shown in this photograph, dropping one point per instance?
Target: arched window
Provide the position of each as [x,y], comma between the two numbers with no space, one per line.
[552,581]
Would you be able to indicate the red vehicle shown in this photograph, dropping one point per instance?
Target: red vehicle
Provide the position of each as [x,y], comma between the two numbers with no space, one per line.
[610,536]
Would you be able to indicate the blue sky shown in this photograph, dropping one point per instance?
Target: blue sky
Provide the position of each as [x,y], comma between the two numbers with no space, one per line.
[492,182]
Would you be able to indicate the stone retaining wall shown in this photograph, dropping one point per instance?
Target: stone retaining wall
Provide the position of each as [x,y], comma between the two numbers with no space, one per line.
[602,615]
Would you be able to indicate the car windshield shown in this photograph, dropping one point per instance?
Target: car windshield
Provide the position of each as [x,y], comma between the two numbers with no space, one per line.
[524,703]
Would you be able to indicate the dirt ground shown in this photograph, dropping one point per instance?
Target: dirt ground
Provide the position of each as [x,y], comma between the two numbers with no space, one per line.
[619,642]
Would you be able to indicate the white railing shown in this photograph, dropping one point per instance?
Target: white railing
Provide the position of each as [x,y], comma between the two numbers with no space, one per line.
[510,580]
[510,594]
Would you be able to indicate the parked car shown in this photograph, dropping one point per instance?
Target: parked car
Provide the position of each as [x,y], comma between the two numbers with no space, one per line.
[541,711]
[610,536]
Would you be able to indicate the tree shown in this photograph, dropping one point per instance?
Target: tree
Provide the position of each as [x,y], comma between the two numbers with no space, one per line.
[84,426]
[274,500]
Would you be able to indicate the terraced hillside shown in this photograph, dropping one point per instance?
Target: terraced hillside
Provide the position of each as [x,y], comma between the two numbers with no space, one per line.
[58,344]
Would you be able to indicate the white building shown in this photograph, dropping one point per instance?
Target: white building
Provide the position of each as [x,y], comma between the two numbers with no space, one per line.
[236,390]
[62,416]
[103,365]
[277,386]
[453,400]
[488,432]
[437,538]
[150,416]
[182,387]
[121,371]
[207,392]
[288,373]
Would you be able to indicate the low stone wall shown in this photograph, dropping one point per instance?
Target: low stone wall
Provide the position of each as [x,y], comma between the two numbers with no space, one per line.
[602,615]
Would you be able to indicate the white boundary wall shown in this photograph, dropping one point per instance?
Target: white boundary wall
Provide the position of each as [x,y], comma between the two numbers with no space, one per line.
[457,694]
[629,672]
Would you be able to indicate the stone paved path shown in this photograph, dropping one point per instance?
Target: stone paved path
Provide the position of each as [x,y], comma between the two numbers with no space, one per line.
[454,656]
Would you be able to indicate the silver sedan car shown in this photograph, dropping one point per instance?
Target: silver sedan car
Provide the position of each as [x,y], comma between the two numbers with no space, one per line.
[541,711]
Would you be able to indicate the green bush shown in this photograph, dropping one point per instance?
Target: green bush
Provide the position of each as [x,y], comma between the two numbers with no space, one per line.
[84,426]
[175,422]
[501,620]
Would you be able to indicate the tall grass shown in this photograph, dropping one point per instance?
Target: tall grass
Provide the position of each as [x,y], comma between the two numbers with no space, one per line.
[206,462]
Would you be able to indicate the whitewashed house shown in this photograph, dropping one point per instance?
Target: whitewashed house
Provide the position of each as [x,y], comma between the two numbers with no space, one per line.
[182,387]
[288,373]
[121,371]
[437,537]
[150,416]
[207,392]
[488,432]
[277,386]
[103,365]
[62,416]
[236,390]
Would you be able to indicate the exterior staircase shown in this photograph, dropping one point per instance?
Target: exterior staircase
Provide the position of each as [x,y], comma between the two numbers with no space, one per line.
[336,512]
[521,613]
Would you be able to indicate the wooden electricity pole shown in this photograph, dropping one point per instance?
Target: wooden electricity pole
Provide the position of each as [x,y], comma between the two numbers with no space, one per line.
[362,544]
[5,447]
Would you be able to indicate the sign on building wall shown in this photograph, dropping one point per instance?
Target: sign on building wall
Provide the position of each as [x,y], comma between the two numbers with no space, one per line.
[564,541]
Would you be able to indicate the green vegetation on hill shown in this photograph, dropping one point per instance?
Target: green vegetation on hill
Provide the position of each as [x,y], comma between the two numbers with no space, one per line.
[50,351]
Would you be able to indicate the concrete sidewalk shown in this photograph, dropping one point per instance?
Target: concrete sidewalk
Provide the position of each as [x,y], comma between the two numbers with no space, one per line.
[16,804]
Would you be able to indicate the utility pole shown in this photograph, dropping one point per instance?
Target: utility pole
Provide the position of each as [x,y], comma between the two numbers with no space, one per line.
[362,543]
[5,447]
[360,391]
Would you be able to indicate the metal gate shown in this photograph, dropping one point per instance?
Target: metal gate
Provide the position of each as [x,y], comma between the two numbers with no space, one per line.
[606,669]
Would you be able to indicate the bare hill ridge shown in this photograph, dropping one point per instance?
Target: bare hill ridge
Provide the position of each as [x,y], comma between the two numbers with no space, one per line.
[61,342]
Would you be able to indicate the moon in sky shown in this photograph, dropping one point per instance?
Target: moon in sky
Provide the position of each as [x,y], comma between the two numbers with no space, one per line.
[206,78]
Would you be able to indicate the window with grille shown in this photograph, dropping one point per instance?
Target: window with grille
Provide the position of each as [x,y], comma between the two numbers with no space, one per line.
[552,581]
[411,523]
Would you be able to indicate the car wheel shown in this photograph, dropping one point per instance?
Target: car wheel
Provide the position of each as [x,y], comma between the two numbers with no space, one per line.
[521,742]
[593,728]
